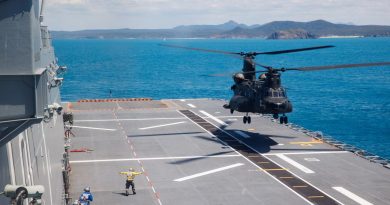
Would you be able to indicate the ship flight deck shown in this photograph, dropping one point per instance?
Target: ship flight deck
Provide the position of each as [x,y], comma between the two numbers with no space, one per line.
[192,151]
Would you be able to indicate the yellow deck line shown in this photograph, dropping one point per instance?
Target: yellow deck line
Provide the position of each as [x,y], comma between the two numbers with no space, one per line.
[262,162]
[286,177]
[311,142]
[302,186]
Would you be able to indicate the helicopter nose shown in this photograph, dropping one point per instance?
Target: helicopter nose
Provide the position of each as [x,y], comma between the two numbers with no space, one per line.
[282,107]
[276,106]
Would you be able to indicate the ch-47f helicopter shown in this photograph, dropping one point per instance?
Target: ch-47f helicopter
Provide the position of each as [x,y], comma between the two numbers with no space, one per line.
[265,94]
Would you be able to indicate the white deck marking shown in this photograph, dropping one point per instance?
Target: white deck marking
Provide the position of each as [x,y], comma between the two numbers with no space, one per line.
[208,172]
[242,134]
[164,125]
[145,119]
[182,100]
[312,159]
[295,164]
[132,119]
[154,158]
[191,105]
[214,118]
[319,152]
[94,128]
[119,107]
[352,196]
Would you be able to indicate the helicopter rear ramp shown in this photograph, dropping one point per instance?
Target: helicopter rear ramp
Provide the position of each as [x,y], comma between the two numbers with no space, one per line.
[193,152]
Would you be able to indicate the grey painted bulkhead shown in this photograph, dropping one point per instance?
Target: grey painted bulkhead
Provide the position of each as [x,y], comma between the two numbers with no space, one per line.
[31,137]
[28,67]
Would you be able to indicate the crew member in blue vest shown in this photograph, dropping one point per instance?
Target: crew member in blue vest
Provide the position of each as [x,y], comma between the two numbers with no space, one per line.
[86,197]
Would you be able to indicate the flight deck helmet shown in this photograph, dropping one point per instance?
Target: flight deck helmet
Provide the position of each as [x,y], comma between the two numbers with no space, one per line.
[238,77]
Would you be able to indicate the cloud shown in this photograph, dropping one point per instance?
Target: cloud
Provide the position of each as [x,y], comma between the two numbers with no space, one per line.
[87,14]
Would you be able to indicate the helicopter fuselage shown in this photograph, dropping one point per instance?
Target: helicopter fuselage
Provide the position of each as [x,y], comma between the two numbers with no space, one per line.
[256,97]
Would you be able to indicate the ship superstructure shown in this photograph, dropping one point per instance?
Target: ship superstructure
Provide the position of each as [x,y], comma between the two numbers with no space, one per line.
[31,127]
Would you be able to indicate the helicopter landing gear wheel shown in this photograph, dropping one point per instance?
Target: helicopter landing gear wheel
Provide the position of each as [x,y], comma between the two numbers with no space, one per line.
[283,119]
[247,119]
[275,116]
[231,111]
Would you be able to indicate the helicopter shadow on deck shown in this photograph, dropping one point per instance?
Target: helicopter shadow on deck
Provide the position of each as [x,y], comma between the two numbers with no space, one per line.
[122,193]
[261,142]
[264,143]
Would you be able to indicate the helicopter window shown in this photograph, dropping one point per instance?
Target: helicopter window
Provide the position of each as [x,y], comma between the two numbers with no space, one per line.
[277,94]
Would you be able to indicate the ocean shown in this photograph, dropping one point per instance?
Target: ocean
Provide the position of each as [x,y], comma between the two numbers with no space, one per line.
[351,105]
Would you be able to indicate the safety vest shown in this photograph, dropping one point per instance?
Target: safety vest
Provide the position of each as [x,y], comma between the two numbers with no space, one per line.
[130,175]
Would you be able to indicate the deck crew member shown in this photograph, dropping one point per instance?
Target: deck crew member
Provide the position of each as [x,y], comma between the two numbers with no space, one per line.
[86,197]
[130,175]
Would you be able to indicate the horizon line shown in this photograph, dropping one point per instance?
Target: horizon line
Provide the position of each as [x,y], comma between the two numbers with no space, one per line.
[258,25]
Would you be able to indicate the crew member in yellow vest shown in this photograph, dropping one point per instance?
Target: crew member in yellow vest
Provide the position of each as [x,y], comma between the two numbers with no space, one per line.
[130,175]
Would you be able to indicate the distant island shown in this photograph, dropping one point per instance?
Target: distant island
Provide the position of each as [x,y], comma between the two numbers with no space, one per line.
[292,34]
[232,29]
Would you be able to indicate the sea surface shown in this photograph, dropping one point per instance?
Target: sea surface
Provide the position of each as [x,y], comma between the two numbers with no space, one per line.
[352,105]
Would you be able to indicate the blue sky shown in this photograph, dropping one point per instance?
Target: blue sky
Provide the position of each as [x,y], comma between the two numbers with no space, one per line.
[100,14]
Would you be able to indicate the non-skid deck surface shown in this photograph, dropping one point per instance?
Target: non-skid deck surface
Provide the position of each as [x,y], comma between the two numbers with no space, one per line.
[195,152]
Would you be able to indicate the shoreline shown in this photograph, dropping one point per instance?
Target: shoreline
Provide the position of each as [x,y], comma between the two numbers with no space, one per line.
[343,37]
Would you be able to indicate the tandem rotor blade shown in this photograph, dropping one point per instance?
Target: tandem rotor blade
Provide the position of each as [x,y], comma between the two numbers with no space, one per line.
[232,54]
[291,50]
[220,75]
[231,74]
[315,68]
[200,49]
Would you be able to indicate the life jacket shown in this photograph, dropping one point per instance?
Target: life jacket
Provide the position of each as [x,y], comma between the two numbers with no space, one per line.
[85,198]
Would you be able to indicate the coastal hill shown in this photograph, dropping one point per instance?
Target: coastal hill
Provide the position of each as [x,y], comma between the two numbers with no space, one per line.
[232,29]
[292,34]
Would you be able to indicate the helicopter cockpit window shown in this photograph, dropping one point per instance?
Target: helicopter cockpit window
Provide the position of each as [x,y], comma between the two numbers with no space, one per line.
[277,93]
